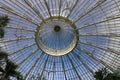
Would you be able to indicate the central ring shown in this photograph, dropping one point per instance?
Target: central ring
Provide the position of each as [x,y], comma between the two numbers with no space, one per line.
[56,36]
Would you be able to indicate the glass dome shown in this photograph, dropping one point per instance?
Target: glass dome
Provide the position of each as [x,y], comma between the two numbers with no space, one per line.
[62,39]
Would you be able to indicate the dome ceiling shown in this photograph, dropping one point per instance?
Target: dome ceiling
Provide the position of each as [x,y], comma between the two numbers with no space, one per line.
[62,39]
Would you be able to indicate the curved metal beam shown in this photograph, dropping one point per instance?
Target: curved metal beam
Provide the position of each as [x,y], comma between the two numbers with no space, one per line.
[100,21]
[16,39]
[74,67]
[90,54]
[101,34]
[98,3]
[21,28]
[72,8]
[34,9]
[84,63]
[34,51]
[107,49]
[63,68]
[23,47]
[44,67]
[47,7]
[17,14]
[60,2]
[33,65]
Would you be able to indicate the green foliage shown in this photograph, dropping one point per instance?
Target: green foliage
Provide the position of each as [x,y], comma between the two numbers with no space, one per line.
[2,70]
[105,75]
[18,76]
[10,66]
[3,55]
[2,32]
[43,78]
[9,69]
[4,20]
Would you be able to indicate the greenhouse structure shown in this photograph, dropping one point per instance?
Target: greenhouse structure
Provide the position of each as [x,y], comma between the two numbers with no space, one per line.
[59,39]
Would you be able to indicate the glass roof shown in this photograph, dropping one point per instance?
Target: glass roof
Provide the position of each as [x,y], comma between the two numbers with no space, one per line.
[98,46]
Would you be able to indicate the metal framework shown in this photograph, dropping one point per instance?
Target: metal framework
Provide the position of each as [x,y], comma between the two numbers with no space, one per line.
[95,37]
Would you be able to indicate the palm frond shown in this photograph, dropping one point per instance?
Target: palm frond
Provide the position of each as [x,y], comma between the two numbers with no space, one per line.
[2,70]
[3,55]
[11,66]
[2,32]
[4,20]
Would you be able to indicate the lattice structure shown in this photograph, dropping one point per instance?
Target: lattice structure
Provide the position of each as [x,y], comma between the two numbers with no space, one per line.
[90,27]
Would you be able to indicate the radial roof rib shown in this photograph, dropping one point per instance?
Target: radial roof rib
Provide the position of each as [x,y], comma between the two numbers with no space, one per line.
[47,7]
[63,66]
[54,67]
[21,48]
[92,56]
[33,65]
[20,5]
[17,14]
[100,21]
[71,9]
[84,63]
[101,34]
[60,2]
[32,52]
[98,3]
[74,67]
[16,39]
[41,75]
[107,49]
[34,9]
[20,27]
